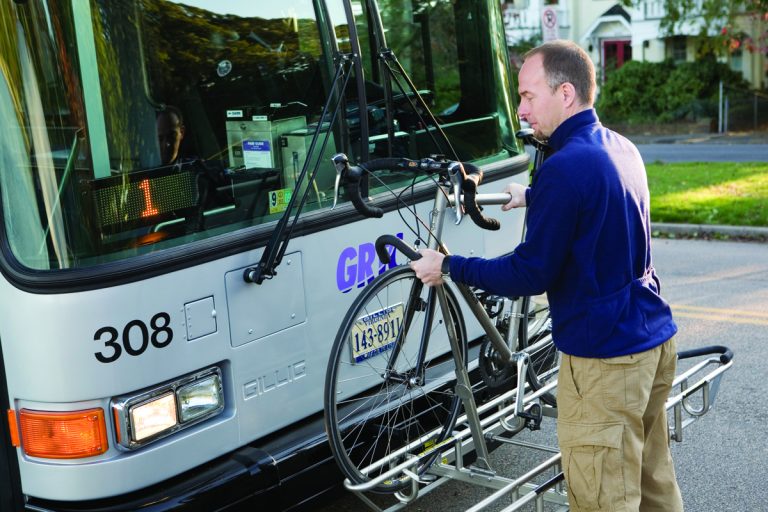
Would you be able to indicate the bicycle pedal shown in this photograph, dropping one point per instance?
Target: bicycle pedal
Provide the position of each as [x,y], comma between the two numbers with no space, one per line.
[533,417]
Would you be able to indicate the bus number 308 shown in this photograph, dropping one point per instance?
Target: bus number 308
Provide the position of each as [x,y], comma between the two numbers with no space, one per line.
[136,338]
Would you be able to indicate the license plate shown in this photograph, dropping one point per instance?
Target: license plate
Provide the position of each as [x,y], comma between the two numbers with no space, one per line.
[376,333]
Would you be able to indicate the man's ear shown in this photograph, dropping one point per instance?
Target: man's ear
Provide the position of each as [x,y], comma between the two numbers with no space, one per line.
[569,94]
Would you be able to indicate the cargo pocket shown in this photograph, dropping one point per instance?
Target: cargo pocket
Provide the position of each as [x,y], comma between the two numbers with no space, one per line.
[621,381]
[592,457]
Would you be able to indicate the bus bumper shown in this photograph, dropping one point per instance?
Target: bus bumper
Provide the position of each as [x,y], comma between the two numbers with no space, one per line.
[287,473]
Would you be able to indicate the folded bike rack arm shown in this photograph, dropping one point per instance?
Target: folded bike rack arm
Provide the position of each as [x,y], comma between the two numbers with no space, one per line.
[696,397]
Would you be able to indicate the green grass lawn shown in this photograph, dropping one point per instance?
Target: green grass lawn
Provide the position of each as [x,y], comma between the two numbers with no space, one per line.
[709,193]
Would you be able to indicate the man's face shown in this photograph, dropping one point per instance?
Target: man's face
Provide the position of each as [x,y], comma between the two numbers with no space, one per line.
[170,133]
[540,106]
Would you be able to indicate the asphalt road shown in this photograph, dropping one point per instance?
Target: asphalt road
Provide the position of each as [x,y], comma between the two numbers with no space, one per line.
[752,147]
[703,152]
[719,293]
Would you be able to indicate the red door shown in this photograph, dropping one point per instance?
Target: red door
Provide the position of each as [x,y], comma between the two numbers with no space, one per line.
[615,54]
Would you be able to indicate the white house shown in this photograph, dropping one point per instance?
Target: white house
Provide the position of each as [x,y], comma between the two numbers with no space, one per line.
[614,34]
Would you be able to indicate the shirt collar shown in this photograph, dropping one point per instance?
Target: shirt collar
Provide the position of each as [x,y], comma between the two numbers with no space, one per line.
[569,126]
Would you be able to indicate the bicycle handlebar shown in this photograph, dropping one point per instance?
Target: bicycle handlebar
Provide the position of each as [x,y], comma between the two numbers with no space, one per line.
[384,240]
[467,176]
[471,181]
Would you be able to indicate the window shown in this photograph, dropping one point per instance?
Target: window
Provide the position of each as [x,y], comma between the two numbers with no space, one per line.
[678,49]
[444,63]
[154,123]
[737,60]
[137,126]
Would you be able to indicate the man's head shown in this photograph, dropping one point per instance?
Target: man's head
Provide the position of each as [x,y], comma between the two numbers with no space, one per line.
[170,133]
[556,81]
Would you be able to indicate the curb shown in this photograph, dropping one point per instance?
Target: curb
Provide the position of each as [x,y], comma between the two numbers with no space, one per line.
[750,137]
[703,230]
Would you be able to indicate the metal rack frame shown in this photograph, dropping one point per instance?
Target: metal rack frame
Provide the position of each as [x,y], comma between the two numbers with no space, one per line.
[693,395]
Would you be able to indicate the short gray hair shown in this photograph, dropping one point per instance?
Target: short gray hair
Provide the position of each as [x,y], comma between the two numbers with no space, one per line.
[565,61]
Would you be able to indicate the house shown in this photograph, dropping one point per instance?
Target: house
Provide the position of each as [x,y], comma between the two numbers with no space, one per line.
[613,34]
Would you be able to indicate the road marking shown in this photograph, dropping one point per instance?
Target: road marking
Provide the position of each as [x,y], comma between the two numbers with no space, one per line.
[740,312]
[738,316]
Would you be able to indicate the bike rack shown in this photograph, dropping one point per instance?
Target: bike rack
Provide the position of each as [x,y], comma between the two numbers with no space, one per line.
[689,400]
[684,411]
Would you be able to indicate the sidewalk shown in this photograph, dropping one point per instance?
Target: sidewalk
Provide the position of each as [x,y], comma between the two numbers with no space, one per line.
[706,231]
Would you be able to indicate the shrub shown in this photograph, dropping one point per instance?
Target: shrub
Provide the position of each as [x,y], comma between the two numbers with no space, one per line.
[630,94]
[642,92]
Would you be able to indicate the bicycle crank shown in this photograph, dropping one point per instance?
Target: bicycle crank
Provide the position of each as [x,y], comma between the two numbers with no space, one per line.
[496,375]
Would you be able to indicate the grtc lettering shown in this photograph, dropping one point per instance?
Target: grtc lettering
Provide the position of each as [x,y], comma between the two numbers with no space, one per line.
[356,265]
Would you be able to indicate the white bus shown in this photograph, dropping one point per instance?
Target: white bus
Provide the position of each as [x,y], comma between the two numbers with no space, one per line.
[166,306]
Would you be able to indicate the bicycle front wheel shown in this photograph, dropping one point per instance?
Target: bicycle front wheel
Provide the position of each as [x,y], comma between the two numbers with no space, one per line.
[389,389]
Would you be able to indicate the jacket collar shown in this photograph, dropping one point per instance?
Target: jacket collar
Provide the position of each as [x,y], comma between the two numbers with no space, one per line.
[579,120]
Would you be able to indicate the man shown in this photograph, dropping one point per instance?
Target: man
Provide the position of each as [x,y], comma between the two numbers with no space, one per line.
[170,133]
[588,247]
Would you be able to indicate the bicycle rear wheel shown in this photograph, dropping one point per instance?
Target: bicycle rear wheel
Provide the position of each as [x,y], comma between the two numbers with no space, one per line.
[535,337]
[391,378]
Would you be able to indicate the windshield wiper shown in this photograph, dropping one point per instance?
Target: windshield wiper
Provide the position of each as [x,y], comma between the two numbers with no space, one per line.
[278,242]
[387,59]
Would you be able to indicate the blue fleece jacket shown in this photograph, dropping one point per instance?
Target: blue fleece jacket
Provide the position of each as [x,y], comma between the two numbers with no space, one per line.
[588,245]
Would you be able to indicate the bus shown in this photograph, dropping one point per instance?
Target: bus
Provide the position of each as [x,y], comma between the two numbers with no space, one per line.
[177,253]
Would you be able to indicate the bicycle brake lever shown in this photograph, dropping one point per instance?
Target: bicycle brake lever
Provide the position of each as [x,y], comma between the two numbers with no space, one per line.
[341,162]
[456,176]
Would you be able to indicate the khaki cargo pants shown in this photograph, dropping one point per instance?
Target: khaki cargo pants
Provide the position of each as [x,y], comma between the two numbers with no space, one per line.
[612,431]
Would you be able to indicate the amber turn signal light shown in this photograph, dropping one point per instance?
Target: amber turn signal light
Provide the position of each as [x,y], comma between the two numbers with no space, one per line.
[13,428]
[63,435]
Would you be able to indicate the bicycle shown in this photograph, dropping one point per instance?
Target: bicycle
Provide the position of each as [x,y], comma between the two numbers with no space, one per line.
[398,375]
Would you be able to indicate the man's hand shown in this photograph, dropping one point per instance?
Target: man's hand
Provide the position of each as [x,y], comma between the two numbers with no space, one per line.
[427,268]
[517,192]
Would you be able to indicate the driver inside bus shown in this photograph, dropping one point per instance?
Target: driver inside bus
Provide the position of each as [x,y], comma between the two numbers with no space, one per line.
[170,134]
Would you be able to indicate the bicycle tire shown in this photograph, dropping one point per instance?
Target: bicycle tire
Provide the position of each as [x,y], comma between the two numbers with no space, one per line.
[370,413]
[535,337]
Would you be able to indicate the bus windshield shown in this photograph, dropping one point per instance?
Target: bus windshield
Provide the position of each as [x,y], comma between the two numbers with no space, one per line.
[138,126]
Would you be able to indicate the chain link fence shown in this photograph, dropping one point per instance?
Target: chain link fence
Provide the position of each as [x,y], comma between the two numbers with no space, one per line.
[742,110]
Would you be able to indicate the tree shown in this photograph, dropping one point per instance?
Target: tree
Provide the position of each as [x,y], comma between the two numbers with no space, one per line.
[517,50]
[719,31]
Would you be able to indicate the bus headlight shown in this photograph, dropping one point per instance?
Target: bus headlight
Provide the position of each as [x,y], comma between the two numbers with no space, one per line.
[200,398]
[152,417]
[156,413]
